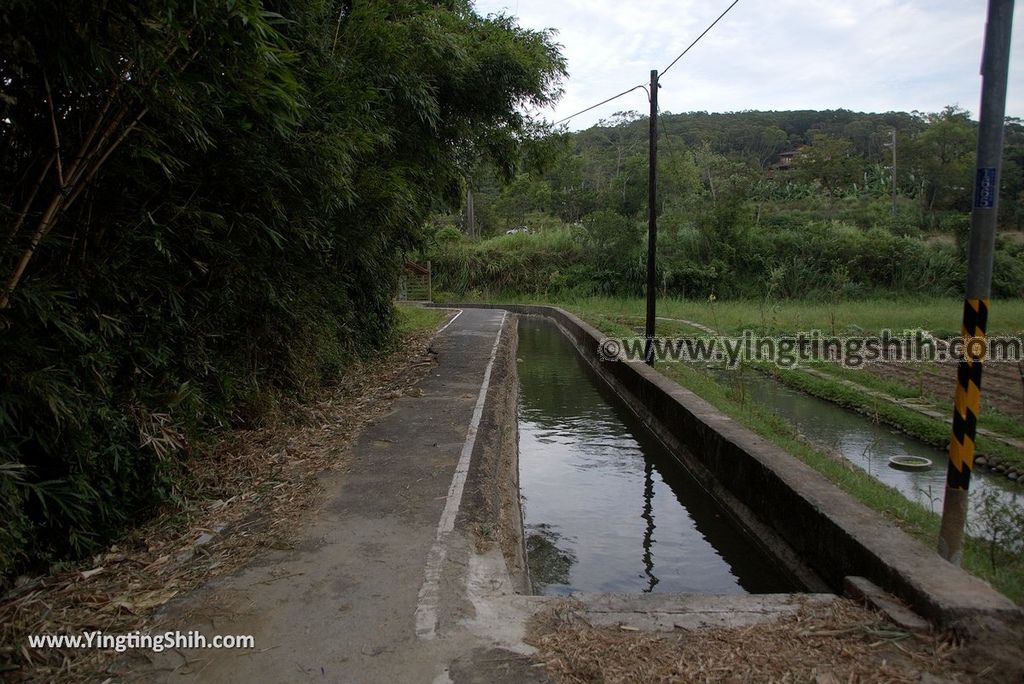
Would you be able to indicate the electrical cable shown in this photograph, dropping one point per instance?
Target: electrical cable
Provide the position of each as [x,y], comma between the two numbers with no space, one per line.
[613,97]
[697,40]
[663,71]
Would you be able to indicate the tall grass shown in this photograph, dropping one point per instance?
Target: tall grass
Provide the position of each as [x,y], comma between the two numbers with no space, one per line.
[562,260]
[725,256]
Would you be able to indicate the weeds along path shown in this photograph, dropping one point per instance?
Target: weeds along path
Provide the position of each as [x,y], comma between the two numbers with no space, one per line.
[258,484]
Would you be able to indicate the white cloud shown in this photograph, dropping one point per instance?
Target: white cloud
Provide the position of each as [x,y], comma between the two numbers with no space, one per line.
[868,55]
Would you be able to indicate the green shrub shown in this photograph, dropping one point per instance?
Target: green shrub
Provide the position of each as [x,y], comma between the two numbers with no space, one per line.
[725,255]
[448,234]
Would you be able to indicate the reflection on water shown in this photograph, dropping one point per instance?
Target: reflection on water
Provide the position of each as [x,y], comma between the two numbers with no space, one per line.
[605,507]
[548,563]
[648,516]
[870,445]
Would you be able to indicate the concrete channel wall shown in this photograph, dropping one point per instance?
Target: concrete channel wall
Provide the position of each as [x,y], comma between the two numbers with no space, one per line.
[492,508]
[813,527]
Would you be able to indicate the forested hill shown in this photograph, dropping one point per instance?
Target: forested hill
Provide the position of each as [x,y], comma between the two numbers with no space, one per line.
[760,135]
[830,155]
[802,204]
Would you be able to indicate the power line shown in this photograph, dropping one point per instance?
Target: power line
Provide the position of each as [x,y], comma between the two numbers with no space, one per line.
[613,97]
[664,133]
[673,154]
[663,71]
[697,40]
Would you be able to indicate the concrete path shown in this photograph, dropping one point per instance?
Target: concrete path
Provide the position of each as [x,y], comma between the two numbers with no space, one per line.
[389,579]
[372,592]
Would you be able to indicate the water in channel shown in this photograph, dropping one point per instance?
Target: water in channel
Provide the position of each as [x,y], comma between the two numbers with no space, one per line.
[606,508]
[870,445]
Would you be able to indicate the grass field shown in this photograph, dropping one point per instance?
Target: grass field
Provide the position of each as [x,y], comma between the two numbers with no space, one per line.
[940,316]
[413,318]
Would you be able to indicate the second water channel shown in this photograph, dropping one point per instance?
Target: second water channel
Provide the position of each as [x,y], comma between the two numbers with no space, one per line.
[869,445]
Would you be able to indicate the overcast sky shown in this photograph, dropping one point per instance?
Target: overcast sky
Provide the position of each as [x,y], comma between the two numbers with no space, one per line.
[864,55]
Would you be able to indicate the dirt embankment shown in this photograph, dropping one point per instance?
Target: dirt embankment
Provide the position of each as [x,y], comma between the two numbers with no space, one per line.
[827,644]
[1002,383]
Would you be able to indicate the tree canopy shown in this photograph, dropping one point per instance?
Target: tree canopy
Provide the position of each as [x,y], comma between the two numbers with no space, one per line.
[735,155]
[204,206]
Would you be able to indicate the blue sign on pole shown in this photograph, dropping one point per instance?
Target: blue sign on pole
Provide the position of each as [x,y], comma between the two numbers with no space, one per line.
[985,189]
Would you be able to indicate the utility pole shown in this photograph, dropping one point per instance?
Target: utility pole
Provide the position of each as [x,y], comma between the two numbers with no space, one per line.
[470,213]
[894,172]
[967,400]
[652,220]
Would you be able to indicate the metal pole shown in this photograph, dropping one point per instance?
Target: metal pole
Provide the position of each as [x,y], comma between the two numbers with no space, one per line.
[652,219]
[967,400]
[894,172]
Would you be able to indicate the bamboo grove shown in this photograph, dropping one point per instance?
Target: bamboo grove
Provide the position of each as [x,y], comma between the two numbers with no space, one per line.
[203,207]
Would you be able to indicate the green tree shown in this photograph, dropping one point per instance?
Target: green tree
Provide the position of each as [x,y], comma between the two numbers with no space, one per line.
[1011,199]
[204,206]
[830,162]
[678,176]
[615,243]
[525,193]
[942,158]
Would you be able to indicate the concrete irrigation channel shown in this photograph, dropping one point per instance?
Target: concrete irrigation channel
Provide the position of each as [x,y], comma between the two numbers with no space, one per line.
[606,507]
[816,534]
[415,565]
[871,445]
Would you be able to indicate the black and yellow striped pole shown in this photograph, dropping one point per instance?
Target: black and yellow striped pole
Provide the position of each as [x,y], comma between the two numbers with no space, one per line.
[967,399]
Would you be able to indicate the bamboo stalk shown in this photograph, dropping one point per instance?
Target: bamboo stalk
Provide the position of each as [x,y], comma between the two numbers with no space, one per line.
[13,232]
[62,199]
[91,157]
[90,136]
[102,160]
[53,128]
[44,227]
[87,156]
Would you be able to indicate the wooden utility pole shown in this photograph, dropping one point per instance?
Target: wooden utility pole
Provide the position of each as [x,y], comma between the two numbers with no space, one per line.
[652,220]
[995,66]
[470,213]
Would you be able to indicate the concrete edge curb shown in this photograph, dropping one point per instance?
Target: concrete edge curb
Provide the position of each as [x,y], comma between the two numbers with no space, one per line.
[492,500]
